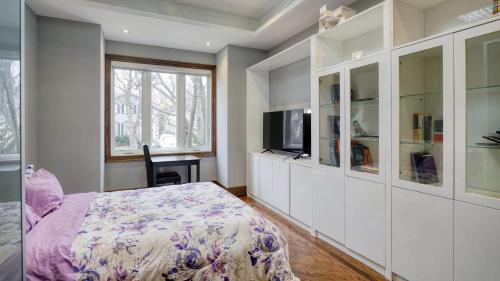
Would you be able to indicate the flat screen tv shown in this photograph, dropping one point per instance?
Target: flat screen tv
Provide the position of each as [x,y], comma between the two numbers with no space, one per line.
[288,130]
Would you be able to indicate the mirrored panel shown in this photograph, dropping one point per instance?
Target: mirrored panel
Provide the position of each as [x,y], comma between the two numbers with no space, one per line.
[10,141]
[483,115]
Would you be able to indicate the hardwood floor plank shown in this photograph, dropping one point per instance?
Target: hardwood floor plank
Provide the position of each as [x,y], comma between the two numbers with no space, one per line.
[313,259]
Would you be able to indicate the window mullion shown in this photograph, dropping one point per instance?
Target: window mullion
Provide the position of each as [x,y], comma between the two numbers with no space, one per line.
[146,108]
[180,114]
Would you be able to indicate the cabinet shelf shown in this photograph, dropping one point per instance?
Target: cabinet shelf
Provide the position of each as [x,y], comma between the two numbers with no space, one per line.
[412,142]
[366,169]
[366,138]
[330,104]
[365,101]
[473,90]
[419,95]
[329,138]
[477,146]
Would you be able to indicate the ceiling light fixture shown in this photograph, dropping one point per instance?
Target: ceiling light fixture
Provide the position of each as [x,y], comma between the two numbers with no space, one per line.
[208,43]
[125,31]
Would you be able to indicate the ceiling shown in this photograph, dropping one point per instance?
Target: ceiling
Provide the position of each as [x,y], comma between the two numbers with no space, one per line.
[190,24]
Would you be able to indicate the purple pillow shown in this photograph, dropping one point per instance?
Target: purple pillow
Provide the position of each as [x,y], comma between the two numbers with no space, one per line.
[43,192]
[31,218]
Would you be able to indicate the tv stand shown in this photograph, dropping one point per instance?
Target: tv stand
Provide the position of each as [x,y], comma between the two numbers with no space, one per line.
[267,150]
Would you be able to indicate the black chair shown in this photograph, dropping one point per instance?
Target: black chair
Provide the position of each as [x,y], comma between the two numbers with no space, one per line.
[161,178]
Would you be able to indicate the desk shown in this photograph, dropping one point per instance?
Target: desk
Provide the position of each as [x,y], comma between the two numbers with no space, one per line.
[172,161]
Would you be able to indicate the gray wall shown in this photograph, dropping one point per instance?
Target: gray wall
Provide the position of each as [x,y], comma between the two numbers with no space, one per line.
[232,63]
[290,86]
[122,175]
[304,34]
[69,103]
[31,86]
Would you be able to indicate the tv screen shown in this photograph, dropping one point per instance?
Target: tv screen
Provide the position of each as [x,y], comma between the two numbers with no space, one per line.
[287,131]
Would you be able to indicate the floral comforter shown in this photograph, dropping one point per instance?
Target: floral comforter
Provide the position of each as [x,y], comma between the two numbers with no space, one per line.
[194,231]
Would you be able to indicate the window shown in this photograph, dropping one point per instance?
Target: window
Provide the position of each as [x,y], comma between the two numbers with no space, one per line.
[168,105]
[10,100]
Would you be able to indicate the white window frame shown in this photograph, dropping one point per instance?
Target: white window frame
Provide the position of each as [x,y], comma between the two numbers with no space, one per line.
[146,114]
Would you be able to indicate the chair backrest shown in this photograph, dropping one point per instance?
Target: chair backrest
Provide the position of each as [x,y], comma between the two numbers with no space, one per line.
[149,166]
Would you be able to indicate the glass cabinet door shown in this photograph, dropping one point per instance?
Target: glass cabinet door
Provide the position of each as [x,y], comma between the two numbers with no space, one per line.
[422,99]
[478,115]
[363,93]
[330,121]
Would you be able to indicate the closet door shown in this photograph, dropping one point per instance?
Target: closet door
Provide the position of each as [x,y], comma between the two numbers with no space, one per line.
[477,107]
[11,229]
[422,102]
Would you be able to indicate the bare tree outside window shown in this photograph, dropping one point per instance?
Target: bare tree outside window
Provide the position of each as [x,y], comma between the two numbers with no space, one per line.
[163,110]
[197,106]
[128,95]
[10,100]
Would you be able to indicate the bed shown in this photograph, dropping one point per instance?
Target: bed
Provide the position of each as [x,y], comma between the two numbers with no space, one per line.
[194,231]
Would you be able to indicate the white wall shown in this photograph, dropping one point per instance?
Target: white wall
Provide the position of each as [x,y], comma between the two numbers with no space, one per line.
[31,85]
[132,174]
[290,86]
[232,63]
[69,102]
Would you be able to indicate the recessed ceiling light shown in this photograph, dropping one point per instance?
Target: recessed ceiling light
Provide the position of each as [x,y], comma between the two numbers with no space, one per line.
[125,31]
[208,43]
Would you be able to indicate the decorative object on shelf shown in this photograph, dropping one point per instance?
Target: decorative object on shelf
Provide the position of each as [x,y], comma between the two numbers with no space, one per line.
[329,18]
[424,167]
[496,7]
[335,93]
[495,139]
[438,131]
[357,55]
[357,130]
[334,122]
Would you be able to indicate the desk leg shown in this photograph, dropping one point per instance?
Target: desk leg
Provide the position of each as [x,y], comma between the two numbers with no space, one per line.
[154,176]
[198,172]
[189,173]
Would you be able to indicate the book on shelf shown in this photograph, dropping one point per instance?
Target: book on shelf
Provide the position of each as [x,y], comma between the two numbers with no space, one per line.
[335,152]
[335,93]
[425,129]
[357,130]
[424,168]
[360,155]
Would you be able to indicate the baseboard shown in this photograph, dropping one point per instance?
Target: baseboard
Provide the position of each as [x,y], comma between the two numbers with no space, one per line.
[238,191]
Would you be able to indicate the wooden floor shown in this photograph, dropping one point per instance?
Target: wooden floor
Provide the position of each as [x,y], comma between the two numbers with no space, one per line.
[313,259]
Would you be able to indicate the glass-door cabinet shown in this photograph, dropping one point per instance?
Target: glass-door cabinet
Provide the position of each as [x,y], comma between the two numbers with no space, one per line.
[422,102]
[364,122]
[330,114]
[477,107]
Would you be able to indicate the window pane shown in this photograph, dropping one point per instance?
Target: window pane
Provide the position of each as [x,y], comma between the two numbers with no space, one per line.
[10,100]
[128,114]
[197,112]
[163,110]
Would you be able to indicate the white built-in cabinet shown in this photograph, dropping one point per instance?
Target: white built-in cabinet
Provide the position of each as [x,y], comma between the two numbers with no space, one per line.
[329,204]
[365,219]
[301,193]
[422,236]
[401,176]
[281,185]
[266,179]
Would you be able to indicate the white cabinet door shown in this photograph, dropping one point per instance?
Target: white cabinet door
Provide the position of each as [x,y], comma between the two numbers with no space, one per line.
[365,219]
[422,236]
[301,193]
[328,204]
[253,175]
[477,243]
[281,186]
[266,179]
